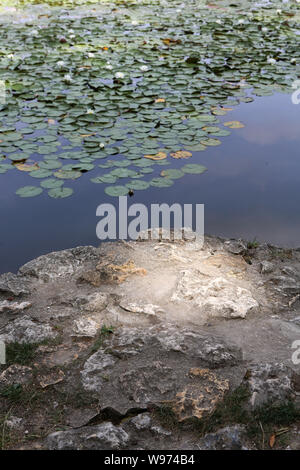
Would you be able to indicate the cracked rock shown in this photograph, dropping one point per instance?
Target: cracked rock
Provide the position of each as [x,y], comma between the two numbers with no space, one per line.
[229,438]
[59,263]
[13,307]
[270,383]
[266,267]
[142,308]
[105,436]
[85,327]
[216,297]
[136,367]
[16,374]
[13,284]
[24,330]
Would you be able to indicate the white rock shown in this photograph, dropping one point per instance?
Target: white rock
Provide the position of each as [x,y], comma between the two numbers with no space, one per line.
[146,309]
[85,327]
[216,297]
[13,307]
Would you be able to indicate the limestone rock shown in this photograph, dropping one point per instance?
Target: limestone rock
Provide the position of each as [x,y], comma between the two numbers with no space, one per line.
[200,398]
[13,284]
[136,367]
[235,247]
[105,436]
[13,422]
[60,263]
[85,327]
[24,330]
[16,374]
[141,308]
[266,267]
[13,307]
[93,373]
[229,438]
[96,302]
[215,297]
[270,383]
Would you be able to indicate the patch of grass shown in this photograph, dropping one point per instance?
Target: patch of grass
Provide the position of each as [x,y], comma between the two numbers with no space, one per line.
[25,353]
[282,253]
[282,414]
[104,333]
[13,393]
[270,417]
[253,244]
[19,353]
[260,425]
[5,435]
[166,415]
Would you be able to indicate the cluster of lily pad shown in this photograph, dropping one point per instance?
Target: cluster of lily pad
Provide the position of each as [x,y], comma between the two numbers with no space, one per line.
[125,88]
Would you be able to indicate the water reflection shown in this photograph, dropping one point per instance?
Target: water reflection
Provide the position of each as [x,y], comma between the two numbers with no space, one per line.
[251,190]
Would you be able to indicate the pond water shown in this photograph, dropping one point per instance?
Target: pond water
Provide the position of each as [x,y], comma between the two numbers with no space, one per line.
[250,189]
[181,102]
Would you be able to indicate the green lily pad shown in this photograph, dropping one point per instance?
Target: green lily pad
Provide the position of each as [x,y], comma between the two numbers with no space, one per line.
[60,193]
[161,182]
[40,173]
[29,191]
[116,190]
[138,184]
[50,164]
[210,142]
[172,173]
[51,183]
[67,174]
[123,173]
[193,168]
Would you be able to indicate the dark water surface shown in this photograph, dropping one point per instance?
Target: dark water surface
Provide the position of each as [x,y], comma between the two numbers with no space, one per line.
[251,190]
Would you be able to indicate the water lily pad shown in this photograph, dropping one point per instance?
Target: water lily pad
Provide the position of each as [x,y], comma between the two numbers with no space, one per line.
[181,154]
[193,168]
[4,167]
[28,166]
[50,164]
[157,156]
[234,124]
[60,193]
[29,191]
[138,185]
[104,179]
[51,183]
[67,174]
[40,173]
[123,173]
[172,173]
[116,190]
[210,142]
[161,182]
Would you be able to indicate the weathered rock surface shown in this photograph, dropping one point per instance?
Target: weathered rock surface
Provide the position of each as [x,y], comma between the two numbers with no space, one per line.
[15,375]
[105,436]
[13,307]
[140,367]
[270,383]
[152,327]
[24,330]
[229,438]
[59,263]
[13,284]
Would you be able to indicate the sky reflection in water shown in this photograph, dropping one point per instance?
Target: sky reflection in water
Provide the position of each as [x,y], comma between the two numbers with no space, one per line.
[251,190]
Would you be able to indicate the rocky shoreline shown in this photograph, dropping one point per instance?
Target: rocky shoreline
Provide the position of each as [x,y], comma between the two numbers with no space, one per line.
[154,344]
